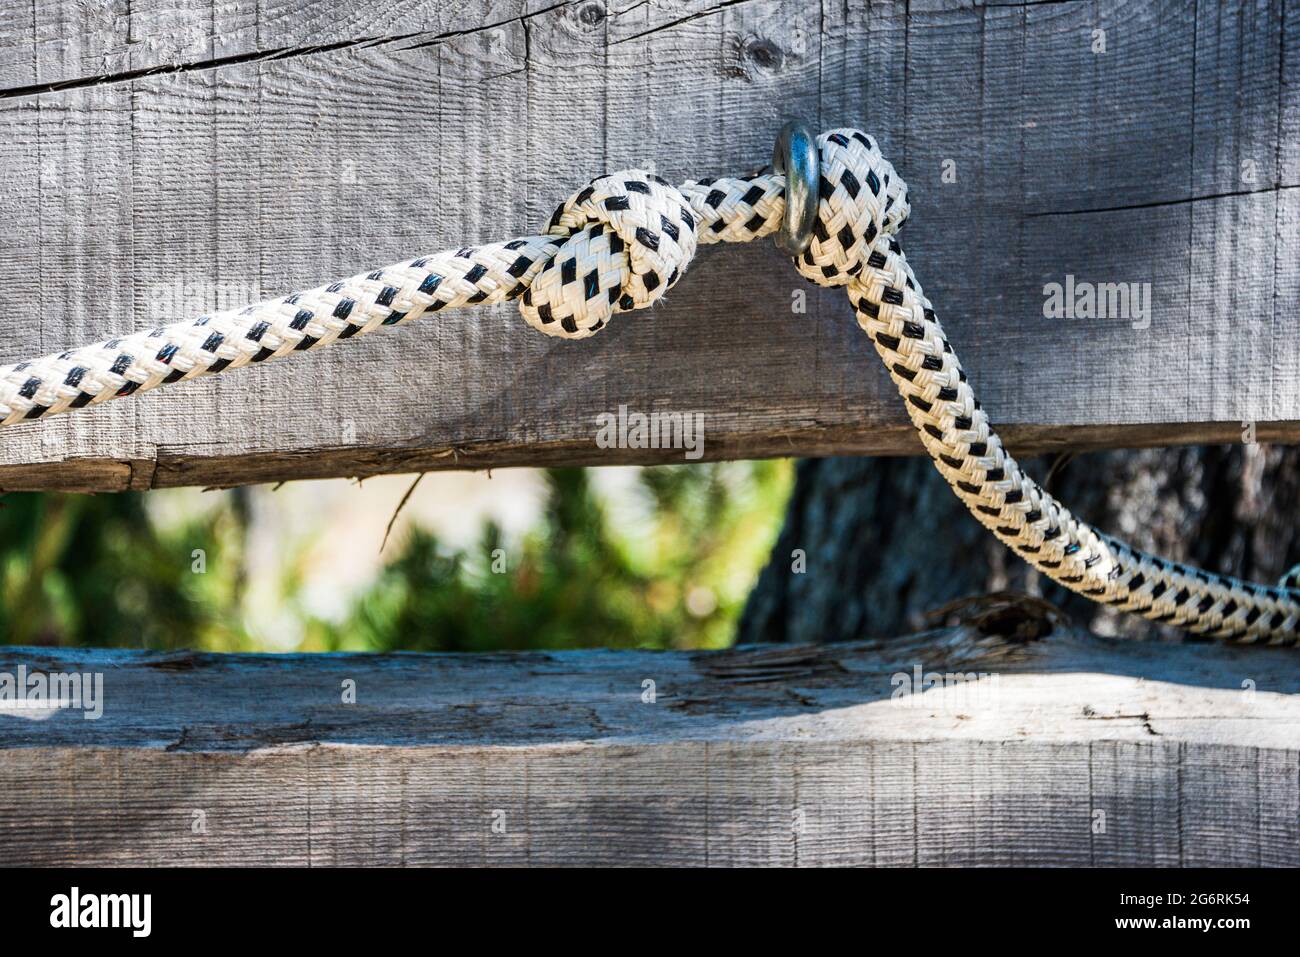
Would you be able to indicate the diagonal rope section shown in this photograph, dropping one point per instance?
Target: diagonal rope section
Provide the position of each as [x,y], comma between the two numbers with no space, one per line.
[618,245]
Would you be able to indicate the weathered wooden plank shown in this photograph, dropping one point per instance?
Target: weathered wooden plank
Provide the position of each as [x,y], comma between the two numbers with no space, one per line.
[1070,750]
[164,158]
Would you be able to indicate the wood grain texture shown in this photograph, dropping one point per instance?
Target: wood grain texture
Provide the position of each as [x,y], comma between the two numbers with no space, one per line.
[1069,750]
[165,157]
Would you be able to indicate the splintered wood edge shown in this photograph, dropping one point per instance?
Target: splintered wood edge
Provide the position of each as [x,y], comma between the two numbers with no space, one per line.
[1069,686]
[170,470]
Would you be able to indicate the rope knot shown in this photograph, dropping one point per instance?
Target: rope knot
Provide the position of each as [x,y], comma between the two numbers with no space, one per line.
[860,199]
[629,236]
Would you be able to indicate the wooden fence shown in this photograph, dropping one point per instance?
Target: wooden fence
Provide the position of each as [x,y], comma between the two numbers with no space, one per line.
[159,161]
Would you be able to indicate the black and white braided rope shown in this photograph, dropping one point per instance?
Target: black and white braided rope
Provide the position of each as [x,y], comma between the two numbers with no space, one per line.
[618,245]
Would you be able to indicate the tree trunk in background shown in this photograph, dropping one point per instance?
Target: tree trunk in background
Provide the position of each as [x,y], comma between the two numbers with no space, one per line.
[885,540]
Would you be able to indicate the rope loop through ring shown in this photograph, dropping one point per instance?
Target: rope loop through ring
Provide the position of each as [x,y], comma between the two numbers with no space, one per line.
[861,197]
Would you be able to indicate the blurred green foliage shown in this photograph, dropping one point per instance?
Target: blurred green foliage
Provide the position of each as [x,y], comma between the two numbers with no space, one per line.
[92,570]
[671,569]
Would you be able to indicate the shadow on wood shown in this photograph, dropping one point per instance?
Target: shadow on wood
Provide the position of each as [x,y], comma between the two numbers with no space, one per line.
[1067,750]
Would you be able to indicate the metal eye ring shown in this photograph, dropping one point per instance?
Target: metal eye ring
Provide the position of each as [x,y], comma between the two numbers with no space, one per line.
[795,155]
